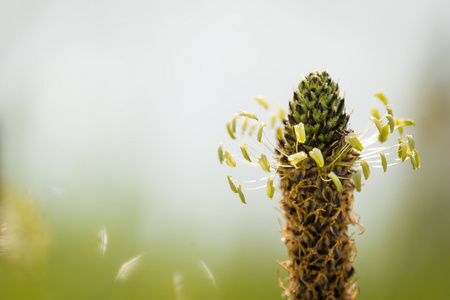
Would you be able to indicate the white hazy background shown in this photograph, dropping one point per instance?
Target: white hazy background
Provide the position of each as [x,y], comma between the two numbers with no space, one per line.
[130,98]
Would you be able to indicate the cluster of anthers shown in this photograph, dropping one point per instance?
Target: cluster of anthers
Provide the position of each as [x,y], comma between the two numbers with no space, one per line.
[377,157]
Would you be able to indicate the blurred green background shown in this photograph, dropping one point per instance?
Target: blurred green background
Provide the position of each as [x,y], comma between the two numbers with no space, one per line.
[111,113]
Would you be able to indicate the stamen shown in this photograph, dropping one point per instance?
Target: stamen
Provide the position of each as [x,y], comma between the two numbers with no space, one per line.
[244,152]
[264,163]
[270,188]
[230,131]
[260,131]
[229,159]
[248,115]
[232,185]
[262,101]
[316,154]
[220,153]
[241,195]
[365,168]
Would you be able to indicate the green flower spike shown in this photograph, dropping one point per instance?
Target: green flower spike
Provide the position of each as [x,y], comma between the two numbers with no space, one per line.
[319,163]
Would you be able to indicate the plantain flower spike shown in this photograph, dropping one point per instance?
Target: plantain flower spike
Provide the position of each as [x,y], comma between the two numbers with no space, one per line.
[318,162]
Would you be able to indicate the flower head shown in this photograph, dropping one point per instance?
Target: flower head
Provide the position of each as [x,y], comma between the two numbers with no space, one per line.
[319,163]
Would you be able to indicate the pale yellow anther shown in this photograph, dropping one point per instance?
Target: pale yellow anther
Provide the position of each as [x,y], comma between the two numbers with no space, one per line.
[244,125]
[383,161]
[260,132]
[316,154]
[375,113]
[264,163]
[404,150]
[229,159]
[233,123]
[356,177]
[382,98]
[273,119]
[384,134]
[248,115]
[377,123]
[220,153]
[270,188]
[280,135]
[230,131]
[281,113]
[413,160]
[336,181]
[241,195]
[297,157]
[244,152]
[391,122]
[365,168]
[399,151]
[353,141]
[397,123]
[253,128]
[411,142]
[300,133]
[389,110]
[406,122]
[416,157]
[232,186]
[262,101]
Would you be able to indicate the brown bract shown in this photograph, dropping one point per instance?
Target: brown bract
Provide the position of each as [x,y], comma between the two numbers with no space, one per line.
[320,250]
